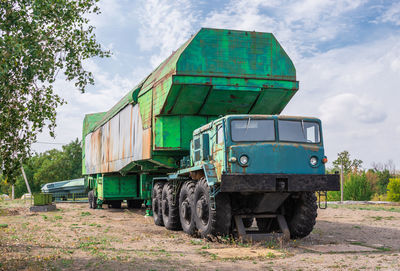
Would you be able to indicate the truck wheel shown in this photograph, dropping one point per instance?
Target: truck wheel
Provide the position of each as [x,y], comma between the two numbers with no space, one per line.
[94,203]
[115,204]
[156,204]
[134,203]
[210,221]
[301,214]
[170,208]
[247,221]
[90,199]
[186,207]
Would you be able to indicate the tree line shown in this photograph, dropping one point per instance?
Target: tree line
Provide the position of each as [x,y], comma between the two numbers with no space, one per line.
[47,167]
[381,182]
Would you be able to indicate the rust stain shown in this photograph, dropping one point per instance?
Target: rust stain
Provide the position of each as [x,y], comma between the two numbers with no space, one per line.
[146,143]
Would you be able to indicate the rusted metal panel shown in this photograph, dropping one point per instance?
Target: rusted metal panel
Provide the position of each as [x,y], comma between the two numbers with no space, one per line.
[116,143]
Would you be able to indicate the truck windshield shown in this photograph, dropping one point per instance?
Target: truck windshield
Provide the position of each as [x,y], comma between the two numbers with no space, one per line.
[298,131]
[253,130]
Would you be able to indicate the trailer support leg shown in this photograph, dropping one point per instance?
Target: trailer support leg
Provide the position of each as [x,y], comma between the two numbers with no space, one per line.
[250,235]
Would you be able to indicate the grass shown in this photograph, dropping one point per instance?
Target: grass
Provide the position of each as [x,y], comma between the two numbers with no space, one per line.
[85,213]
[395,209]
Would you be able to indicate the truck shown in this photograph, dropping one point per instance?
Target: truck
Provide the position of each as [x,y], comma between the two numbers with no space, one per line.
[200,142]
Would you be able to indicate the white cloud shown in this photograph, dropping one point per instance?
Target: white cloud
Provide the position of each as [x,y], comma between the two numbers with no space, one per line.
[165,25]
[351,107]
[392,14]
[111,14]
[298,25]
[355,92]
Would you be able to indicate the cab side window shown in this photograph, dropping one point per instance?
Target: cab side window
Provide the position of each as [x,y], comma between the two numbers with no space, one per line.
[220,134]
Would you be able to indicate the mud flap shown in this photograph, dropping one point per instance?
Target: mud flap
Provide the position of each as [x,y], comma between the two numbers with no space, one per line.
[249,236]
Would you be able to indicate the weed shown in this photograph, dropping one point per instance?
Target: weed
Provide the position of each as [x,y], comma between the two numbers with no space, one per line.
[271,243]
[58,217]
[85,213]
[196,242]
[3,225]
[357,227]
[270,255]
[44,217]
[206,246]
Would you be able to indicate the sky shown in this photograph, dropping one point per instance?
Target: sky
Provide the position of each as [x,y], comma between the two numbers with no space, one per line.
[346,54]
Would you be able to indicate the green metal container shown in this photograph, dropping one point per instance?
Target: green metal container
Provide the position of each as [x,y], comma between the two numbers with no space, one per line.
[40,199]
[216,72]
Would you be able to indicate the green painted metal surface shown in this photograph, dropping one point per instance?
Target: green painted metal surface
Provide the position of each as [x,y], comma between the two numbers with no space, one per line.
[40,199]
[117,187]
[216,72]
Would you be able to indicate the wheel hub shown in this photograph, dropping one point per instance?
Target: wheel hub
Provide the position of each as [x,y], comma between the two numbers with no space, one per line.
[201,208]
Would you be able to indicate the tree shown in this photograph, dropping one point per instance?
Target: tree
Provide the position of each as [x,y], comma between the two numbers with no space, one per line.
[37,40]
[348,164]
[50,166]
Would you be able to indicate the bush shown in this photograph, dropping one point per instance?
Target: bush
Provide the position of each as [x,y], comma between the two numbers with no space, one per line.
[357,187]
[333,196]
[393,190]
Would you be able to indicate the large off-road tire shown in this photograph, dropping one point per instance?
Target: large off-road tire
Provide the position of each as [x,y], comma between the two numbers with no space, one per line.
[156,204]
[115,204]
[211,222]
[301,214]
[247,222]
[134,203]
[170,208]
[186,207]
[90,199]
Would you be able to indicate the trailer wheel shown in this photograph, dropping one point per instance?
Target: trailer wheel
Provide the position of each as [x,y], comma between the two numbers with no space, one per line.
[170,208]
[211,221]
[156,204]
[134,203]
[301,214]
[186,207]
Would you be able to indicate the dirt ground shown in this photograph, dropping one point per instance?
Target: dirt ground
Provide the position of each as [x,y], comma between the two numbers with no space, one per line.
[74,237]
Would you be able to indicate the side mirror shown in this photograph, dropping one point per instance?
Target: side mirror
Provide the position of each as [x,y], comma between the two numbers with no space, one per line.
[205,146]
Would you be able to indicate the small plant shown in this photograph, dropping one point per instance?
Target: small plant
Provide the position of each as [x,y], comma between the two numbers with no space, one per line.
[206,246]
[3,225]
[44,217]
[393,190]
[85,213]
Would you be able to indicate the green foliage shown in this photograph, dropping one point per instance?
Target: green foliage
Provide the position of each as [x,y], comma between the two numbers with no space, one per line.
[393,190]
[333,196]
[50,166]
[383,181]
[37,40]
[357,187]
[348,164]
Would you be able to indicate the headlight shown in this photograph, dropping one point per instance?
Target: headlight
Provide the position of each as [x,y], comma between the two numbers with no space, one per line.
[313,161]
[244,160]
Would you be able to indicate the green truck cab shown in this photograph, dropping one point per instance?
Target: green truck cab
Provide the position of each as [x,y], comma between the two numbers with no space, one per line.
[266,167]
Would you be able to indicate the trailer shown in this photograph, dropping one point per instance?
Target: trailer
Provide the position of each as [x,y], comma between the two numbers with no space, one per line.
[178,141]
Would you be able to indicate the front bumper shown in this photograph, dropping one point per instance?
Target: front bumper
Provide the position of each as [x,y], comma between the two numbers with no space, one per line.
[239,182]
